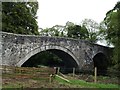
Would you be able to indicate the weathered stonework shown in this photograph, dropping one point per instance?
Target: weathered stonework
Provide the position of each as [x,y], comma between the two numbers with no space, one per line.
[17,49]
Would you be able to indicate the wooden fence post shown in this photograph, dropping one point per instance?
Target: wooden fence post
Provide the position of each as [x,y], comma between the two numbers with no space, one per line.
[95,73]
[58,70]
[73,72]
[50,78]
[5,69]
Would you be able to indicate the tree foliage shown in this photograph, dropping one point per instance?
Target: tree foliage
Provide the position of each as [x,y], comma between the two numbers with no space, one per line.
[93,29]
[19,17]
[86,31]
[77,31]
[56,30]
[113,25]
[112,21]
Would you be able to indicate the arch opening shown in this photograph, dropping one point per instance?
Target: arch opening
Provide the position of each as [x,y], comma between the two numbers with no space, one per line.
[52,58]
[101,62]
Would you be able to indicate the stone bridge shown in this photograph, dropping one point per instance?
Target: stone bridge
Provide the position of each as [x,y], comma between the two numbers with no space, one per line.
[17,49]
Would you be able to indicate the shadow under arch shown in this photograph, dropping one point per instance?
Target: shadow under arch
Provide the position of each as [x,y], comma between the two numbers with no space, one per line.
[66,55]
[101,62]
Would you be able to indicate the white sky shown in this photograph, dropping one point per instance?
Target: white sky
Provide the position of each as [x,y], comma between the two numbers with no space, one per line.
[58,12]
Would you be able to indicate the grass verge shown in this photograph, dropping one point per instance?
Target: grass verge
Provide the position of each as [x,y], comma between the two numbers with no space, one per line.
[81,83]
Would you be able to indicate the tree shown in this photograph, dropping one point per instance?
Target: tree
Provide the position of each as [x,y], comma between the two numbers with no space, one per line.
[112,21]
[84,32]
[113,25]
[60,30]
[74,31]
[102,34]
[19,17]
[77,31]
[92,28]
[56,30]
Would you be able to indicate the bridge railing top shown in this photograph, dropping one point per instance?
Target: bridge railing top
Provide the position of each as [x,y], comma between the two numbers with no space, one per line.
[24,35]
[56,37]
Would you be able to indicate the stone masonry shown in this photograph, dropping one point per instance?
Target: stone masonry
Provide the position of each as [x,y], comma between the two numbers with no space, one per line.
[17,49]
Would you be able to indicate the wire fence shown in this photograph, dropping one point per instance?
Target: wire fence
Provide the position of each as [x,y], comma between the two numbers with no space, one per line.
[26,70]
[90,75]
[55,70]
[77,71]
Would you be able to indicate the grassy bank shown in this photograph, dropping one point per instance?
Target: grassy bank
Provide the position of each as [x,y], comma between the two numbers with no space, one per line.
[84,84]
[40,78]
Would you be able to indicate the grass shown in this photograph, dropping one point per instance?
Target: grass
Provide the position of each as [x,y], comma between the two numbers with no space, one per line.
[82,83]
[12,86]
[39,78]
[93,85]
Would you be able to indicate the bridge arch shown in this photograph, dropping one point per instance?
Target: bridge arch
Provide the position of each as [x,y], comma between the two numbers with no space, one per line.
[101,62]
[54,49]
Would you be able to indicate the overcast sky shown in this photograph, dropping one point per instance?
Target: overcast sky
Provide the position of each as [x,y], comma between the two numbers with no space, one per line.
[58,12]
